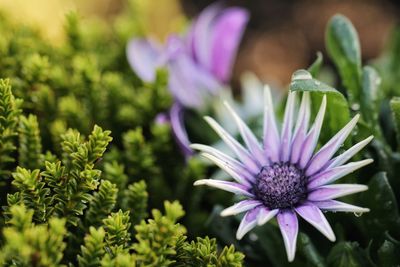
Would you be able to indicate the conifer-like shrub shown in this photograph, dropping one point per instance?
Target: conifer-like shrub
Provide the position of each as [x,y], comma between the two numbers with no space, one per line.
[73,193]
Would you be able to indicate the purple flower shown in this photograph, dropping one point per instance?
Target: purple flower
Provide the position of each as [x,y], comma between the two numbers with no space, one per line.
[283,177]
[199,64]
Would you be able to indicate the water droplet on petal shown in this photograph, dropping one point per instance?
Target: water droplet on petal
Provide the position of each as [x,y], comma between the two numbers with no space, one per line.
[358,214]
[301,75]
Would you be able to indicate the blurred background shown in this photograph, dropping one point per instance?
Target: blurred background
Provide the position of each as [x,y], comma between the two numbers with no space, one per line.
[282,36]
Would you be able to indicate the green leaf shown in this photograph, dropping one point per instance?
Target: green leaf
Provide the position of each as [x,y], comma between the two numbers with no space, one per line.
[344,49]
[370,84]
[93,248]
[310,251]
[388,254]
[30,144]
[316,66]
[395,107]
[337,110]
[384,214]
[346,254]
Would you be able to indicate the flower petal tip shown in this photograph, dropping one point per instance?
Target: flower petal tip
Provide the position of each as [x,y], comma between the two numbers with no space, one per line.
[225,213]
[208,119]
[195,146]
[364,210]
[367,161]
[356,117]
[362,188]
[331,237]
[200,182]
[228,211]
[239,236]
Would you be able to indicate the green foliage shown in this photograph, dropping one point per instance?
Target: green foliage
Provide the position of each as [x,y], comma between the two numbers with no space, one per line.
[315,67]
[138,153]
[387,253]
[346,254]
[134,199]
[157,239]
[381,200]
[9,114]
[204,252]
[160,241]
[102,203]
[343,46]
[121,260]
[115,173]
[117,231]
[36,68]
[30,145]
[395,106]
[70,195]
[73,182]
[93,249]
[368,98]
[32,192]
[27,244]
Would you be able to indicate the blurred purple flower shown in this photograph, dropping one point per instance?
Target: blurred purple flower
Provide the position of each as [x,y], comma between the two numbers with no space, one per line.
[199,64]
[283,176]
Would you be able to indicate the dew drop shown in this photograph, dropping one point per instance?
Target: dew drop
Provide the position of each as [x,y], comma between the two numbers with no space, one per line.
[301,75]
[253,237]
[358,214]
[355,107]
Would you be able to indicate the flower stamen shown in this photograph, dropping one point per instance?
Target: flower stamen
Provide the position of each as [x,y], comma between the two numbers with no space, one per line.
[281,185]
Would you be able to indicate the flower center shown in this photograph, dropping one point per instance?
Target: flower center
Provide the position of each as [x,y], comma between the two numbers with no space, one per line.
[281,185]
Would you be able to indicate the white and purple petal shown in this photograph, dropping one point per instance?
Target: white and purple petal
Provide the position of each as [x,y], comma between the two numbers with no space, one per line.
[240,207]
[265,215]
[144,57]
[329,149]
[182,84]
[336,173]
[328,192]
[245,157]
[300,132]
[199,35]
[237,174]
[311,140]
[287,128]
[225,162]
[336,206]
[270,132]
[179,130]
[248,222]
[316,218]
[232,187]
[289,226]
[226,34]
[250,140]
[348,154]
